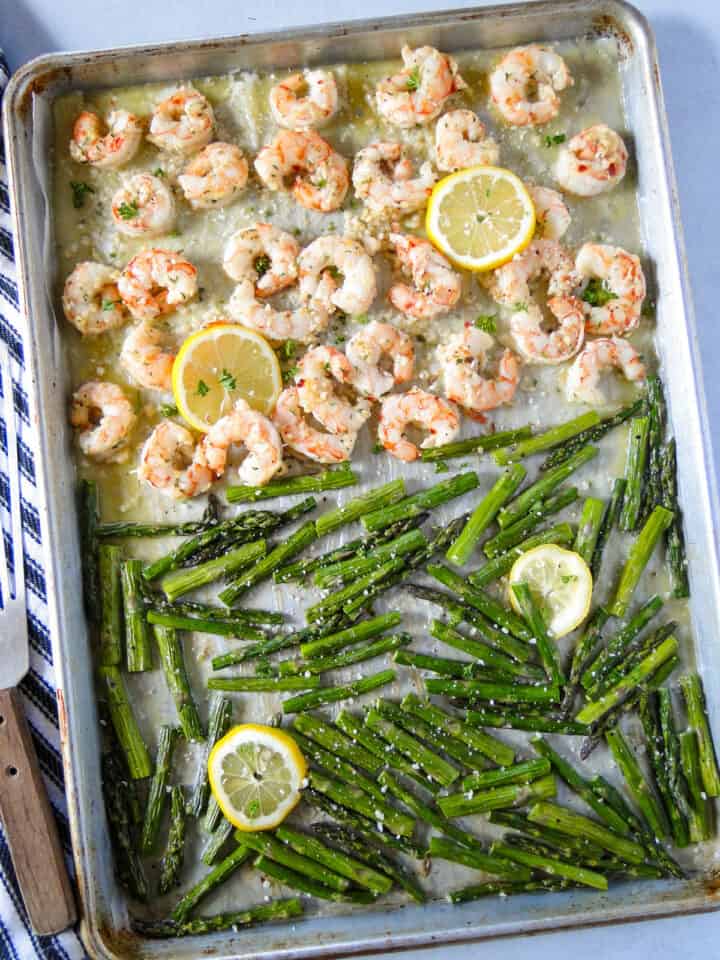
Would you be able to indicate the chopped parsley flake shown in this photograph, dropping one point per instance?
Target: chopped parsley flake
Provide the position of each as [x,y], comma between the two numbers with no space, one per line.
[290,374]
[378,448]
[289,349]
[109,305]
[262,264]
[553,139]
[158,172]
[486,322]
[128,211]
[441,467]
[79,191]
[202,389]
[227,380]
[168,409]
[597,294]
[413,80]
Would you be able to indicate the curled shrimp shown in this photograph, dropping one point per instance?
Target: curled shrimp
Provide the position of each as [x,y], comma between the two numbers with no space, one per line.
[143,357]
[301,324]
[552,217]
[461,141]
[593,161]
[366,349]
[256,433]
[91,299]
[290,419]
[511,285]
[614,288]
[417,93]
[436,286]
[114,148]
[464,360]
[383,179]
[144,207]
[183,122]
[104,417]
[155,282]
[264,254]
[583,378]
[525,85]
[296,111]
[416,407]
[337,274]
[317,175]
[320,371]
[171,462]
[215,176]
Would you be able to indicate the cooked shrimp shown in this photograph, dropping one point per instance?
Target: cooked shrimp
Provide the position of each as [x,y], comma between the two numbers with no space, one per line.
[511,285]
[583,378]
[113,149]
[552,217]
[318,105]
[302,437]
[91,299]
[464,361]
[320,370]
[173,463]
[593,161]
[525,85]
[183,122]
[143,357]
[461,141]
[436,286]
[264,254]
[425,410]
[337,274]
[318,177]
[155,282]
[301,324]
[256,433]
[383,178]
[417,93]
[105,417]
[215,176]
[614,294]
[365,351]
[144,207]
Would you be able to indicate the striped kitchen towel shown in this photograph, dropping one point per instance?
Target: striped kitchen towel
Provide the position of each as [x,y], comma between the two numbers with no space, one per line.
[17,941]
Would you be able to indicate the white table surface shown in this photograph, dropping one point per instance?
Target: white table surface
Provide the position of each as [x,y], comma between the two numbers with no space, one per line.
[688,36]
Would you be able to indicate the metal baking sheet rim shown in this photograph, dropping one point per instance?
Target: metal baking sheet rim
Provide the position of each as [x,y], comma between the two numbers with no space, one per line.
[101,928]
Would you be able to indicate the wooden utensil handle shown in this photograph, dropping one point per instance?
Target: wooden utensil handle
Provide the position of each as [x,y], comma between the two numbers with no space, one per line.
[29,824]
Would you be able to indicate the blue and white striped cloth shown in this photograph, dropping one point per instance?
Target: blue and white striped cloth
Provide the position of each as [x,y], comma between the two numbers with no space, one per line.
[17,941]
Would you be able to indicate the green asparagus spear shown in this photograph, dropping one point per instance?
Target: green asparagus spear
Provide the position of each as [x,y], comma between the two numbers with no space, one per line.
[358,654]
[219,718]
[496,692]
[172,860]
[111,633]
[316,698]
[569,848]
[638,558]
[89,514]
[504,487]
[341,864]
[157,795]
[334,642]
[554,437]
[263,684]
[347,571]
[485,656]
[336,766]
[548,482]
[359,589]
[635,466]
[481,444]
[276,910]
[487,605]
[435,766]
[454,727]
[445,849]
[524,772]
[215,843]
[281,641]
[331,479]
[240,616]
[266,565]
[426,499]
[674,534]
[536,623]
[640,789]
[498,798]
[369,830]
[694,695]
[551,866]
[505,888]
[124,723]
[610,519]
[590,639]
[593,710]
[516,532]
[270,847]
[358,507]
[178,582]
[173,664]
[210,882]
[352,797]
[118,790]
[592,435]
[656,432]
[501,564]
[535,722]
[635,652]
[589,528]
[676,779]
[220,628]
[700,812]
[575,825]
[616,648]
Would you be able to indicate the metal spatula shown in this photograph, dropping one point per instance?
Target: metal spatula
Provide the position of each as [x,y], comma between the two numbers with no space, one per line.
[24,806]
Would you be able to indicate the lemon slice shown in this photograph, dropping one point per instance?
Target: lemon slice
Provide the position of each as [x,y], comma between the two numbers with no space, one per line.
[480,217]
[560,583]
[219,364]
[256,774]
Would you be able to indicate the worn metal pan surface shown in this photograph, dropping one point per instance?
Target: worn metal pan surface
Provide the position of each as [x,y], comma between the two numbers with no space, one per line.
[29,138]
